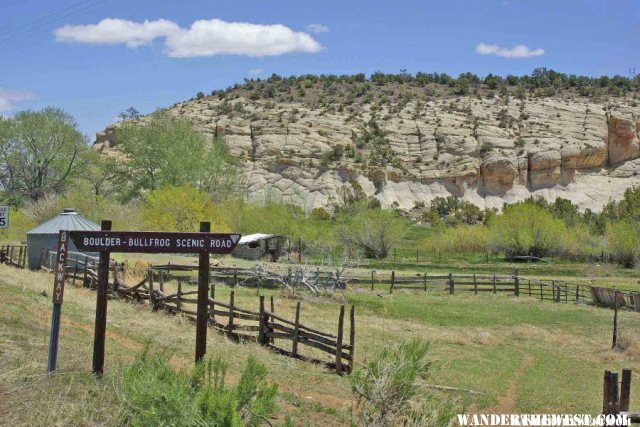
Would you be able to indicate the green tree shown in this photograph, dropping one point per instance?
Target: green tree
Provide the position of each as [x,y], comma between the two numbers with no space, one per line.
[526,229]
[40,153]
[375,232]
[169,151]
[624,242]
[179,208]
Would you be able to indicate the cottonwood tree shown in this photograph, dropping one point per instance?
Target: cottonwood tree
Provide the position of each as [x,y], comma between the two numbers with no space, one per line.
[166,150]
[40,152]
[373,231]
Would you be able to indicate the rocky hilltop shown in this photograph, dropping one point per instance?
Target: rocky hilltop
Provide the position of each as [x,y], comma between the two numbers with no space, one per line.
[407,143]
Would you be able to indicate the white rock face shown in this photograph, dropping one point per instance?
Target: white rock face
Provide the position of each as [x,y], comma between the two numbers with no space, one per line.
[486,151]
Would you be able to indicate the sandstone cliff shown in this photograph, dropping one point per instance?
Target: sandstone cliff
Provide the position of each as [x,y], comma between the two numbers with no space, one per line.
[486,150]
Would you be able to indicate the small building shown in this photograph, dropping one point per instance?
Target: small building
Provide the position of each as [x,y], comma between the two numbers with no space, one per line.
[259,245]
[45,235]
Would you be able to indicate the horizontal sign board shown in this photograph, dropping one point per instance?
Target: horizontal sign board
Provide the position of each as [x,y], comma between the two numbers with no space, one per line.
[154,242]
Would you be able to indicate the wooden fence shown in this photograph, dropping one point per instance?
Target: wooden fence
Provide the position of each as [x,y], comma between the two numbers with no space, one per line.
[263,326]
[235,276]
[15,255]
[617,395]
[557,291]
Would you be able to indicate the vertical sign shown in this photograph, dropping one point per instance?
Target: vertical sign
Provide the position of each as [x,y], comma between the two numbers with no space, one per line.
[58,293]
[4,216]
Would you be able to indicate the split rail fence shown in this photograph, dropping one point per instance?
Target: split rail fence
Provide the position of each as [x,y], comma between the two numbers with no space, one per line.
[271,330]
[557,291]
[15,255]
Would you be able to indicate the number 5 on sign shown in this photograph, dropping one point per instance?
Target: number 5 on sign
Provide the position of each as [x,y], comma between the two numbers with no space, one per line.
[4,216]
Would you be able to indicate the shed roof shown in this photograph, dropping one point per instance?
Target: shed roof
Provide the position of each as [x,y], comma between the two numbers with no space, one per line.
[250,238]
[69,220]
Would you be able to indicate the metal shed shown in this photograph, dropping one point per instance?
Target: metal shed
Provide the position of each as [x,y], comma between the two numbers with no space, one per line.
[259,245]
[45,236]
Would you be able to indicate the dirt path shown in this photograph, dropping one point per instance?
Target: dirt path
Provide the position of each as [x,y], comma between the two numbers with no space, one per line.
[507,404]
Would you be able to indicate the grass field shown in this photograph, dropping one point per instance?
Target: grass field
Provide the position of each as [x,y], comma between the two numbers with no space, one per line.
[523,355]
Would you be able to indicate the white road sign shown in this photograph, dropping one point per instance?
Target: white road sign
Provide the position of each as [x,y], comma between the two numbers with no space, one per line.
[4,216]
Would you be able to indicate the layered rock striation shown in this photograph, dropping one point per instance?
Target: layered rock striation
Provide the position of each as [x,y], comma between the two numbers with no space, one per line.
[487,151]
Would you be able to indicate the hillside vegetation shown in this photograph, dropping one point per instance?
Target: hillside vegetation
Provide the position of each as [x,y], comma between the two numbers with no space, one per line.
[407,139]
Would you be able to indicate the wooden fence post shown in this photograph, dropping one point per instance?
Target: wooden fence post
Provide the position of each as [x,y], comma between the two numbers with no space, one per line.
[372,273]
[352,338]
[262,328]
[606,393]
[179,297]
[451,284]
[296,331]
[235,276]
[625,390]
[494,284]
[393,281]
[529,285]
[615,321]
[212,292]
[339,341]
[577,292]
[417,256]
[516,284]
[273,310]
[152,304]
[230,323]
[20,258]
[614,397]
[424,280]
[475,284]
[84,273]
[161,279]
[541,295]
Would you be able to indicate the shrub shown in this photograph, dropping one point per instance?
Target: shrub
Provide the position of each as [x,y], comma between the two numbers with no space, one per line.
[375,232]
[624,242]
[527,229]
[388,392]
[464,238]
[151,392]
[179,209]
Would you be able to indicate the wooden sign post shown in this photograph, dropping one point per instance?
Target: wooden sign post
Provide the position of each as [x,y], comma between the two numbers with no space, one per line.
[100,329]
[58,293]
[105,242]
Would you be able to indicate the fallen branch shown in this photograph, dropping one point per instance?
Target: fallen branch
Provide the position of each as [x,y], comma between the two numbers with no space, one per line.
[447,388]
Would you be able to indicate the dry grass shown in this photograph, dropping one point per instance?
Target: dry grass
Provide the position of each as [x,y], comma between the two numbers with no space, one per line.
[477,342]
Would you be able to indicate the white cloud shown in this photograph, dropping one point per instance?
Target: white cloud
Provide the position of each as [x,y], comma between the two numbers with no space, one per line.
[519,51]
[256,71]
[216,37]
[317,28]
[117,31]
[203,38]
[9,97]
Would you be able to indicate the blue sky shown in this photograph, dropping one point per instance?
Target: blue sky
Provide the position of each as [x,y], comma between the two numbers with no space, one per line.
[103,58]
